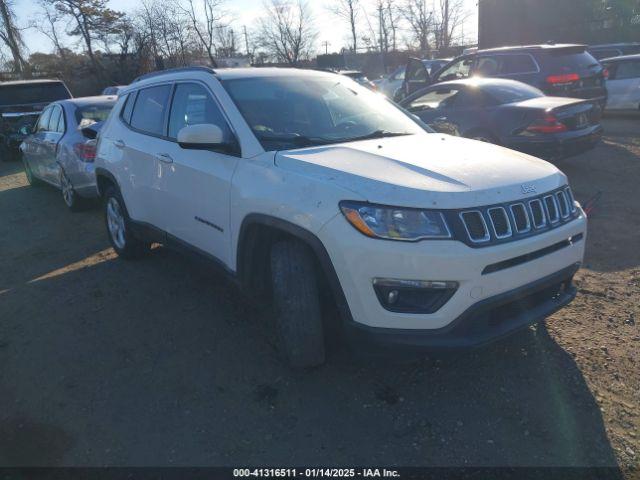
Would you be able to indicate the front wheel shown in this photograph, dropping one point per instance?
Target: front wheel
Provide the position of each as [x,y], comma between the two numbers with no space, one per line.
[297,304]
[118,225]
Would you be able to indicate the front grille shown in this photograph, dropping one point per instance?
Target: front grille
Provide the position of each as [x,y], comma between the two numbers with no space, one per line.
[552,209]
[500,222]
[476,226]
[537,212]
[563,204]
[485,226]
[521,218]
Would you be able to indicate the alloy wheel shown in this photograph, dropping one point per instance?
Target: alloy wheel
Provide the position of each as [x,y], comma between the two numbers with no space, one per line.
[115,222]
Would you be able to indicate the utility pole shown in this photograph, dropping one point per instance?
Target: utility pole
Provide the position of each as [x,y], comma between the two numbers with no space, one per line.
[445,25]
[326,44]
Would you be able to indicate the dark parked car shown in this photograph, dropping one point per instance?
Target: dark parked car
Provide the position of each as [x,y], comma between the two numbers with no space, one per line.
[557,70]
[511,114]
[610,50]
[21,102]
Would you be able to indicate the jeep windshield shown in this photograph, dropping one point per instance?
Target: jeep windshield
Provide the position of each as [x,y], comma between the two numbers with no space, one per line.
[32,93]
[293,112]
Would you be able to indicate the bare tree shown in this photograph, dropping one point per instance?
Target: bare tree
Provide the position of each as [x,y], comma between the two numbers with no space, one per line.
[393,20]
[92,21]
[11,36]
[286,30]
[450,16]
[207,27]
[348,10]
[47,23]
[421,22]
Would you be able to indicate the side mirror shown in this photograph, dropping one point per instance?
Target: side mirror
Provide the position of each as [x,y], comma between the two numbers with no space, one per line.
[203,137]
[25,130]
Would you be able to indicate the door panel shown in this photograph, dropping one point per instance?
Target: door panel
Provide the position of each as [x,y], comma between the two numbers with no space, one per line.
[139,149]
[51,170]
[416,77]
[196,184]
[36,146]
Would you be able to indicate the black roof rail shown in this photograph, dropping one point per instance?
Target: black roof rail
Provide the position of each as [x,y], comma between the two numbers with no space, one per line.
[196,68]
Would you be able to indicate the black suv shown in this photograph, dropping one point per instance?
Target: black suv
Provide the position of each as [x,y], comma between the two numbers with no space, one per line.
[20,105]
[557,70]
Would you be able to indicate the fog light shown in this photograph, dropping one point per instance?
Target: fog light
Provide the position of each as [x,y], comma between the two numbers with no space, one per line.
[392,297]
[413,296]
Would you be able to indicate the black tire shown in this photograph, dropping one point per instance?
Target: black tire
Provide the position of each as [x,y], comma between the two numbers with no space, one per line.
[127,245]
[296,302]
[31,178]
[72,200]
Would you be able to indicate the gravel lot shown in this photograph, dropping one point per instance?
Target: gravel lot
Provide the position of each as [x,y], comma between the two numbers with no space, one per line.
[161,362]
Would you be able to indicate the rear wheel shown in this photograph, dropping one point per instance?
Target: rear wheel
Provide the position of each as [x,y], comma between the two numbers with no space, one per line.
[119,230]
[71,199]
[31,178]
[297,304]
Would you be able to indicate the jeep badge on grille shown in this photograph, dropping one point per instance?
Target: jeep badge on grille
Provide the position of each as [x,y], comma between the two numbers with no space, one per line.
[528,188]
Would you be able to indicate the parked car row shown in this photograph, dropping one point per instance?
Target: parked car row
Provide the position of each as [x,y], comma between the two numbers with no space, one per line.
[588,72]
[304,185]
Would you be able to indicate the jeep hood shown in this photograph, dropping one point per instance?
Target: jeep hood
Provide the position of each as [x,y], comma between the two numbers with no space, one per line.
[425,170]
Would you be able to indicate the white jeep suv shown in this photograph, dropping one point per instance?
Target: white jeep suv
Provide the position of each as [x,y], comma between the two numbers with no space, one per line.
[295,181]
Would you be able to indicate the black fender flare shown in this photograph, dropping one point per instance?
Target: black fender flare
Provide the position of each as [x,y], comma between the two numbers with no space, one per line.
[245,246]
[101,172]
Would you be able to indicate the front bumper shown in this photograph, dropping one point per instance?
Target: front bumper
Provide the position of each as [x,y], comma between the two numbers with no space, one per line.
[481,273]
[560,146]
[484,322]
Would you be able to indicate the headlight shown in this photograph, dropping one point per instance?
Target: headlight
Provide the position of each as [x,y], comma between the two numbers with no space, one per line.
[391,223]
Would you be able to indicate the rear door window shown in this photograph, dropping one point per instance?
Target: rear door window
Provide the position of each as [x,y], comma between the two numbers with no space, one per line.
[149,111]
[128,107]
[43,121]
[56,113]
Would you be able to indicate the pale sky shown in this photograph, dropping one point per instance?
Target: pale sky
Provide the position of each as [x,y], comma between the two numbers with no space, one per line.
[330,29]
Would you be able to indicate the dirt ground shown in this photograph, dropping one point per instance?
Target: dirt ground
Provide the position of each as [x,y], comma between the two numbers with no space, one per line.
[161,362]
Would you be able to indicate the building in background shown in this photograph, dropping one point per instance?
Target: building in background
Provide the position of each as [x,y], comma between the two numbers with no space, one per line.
[521,22]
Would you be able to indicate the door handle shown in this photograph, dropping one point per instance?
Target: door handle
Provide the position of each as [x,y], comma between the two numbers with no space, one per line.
[119,144]
[164,158]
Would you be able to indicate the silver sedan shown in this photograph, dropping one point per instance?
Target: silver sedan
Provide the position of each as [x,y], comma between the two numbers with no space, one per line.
[60,151]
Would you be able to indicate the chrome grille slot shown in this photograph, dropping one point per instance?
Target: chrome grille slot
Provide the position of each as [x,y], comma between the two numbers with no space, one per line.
[572,201]
[563,204]
[552,208]
[521,218]
[537,213]
[500,222]
[475,226]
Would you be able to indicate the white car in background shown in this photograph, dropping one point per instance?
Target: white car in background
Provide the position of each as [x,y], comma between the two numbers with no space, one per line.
[623,84]
[299,183]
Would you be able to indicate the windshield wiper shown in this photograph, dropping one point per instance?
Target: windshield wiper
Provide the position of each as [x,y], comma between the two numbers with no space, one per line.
[375,135]
[296,139]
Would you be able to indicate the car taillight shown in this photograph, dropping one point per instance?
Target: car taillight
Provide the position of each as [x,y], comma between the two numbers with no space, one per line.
[548,124]
[563,79]
[86,151]
[605,73]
